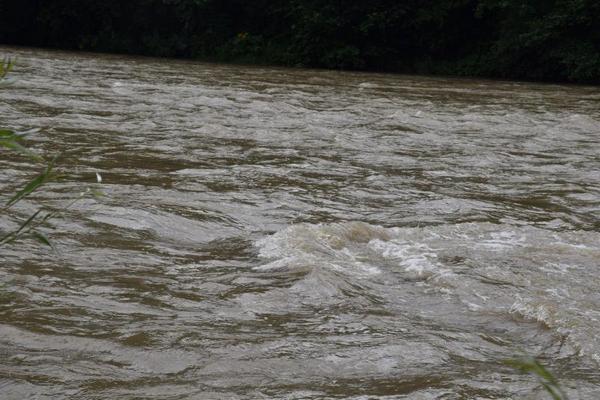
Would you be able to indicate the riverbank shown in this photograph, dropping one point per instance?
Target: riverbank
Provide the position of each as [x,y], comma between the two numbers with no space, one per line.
[476,38]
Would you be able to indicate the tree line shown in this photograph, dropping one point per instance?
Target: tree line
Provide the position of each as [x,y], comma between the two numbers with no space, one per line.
[549,40]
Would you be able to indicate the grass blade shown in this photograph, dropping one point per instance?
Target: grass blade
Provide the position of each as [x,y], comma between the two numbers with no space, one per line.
[10,140]
[26,223]
[12,236]
[5,133]
[5,67]
[42,239]
[33,185]
[545,377]
[17,147]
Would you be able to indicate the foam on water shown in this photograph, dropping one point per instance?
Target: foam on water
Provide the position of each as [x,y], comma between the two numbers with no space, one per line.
[340,247]
[490,268]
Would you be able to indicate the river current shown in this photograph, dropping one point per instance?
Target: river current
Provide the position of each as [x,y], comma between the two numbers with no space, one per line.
[273,233]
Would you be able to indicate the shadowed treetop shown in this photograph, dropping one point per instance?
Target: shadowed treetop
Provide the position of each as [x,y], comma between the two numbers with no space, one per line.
[550,40]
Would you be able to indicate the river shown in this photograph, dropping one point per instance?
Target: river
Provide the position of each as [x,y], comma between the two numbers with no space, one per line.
[272,233]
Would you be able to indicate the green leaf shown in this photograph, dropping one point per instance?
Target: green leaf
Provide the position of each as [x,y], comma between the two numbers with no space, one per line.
[12,236]
[14,145]
[547,380]
[28,222]
[97,193]
[42,239]
[5,133]
[33,185]
[5,67]
[10,140]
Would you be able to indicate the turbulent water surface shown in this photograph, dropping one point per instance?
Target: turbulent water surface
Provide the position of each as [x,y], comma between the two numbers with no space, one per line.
[295,234]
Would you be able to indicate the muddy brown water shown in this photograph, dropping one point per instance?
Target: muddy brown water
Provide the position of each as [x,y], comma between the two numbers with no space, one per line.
[299,234]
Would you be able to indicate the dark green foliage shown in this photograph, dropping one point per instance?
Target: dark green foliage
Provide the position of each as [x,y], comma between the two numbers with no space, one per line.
[535,39]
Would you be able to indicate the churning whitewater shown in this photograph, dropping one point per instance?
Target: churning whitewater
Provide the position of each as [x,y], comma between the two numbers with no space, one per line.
[489,269]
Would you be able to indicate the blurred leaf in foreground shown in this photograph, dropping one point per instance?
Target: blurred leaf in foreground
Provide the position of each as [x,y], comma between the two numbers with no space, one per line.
[545,377]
